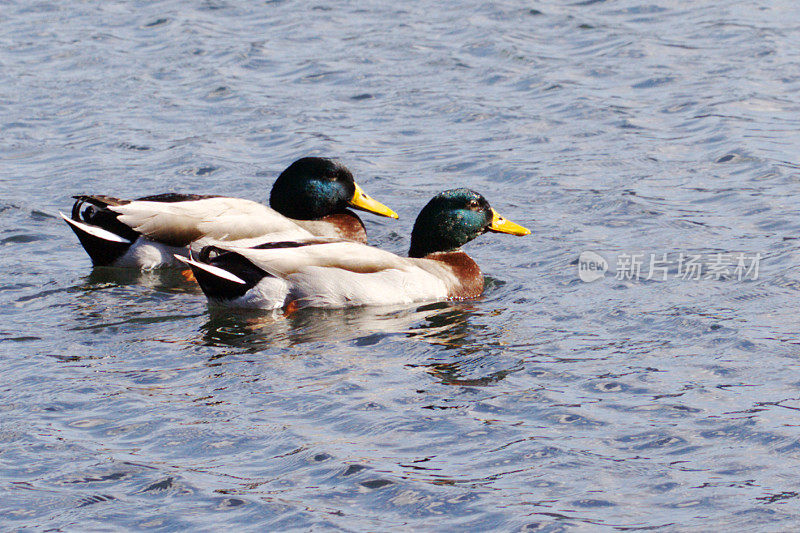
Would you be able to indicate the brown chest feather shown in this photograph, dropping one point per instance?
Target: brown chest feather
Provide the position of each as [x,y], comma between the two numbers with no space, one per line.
[345,225]
[348,226]
[467,272]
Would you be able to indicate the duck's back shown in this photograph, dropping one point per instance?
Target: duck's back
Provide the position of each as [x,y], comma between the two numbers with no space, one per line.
[216,218]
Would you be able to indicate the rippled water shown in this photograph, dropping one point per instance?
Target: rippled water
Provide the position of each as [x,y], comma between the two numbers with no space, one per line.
[549,404]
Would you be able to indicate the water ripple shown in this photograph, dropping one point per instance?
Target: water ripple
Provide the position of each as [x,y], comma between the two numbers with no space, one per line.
[549,404]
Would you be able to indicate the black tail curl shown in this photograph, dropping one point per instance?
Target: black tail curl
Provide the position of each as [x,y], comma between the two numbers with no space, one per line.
[209,253]
[94,210]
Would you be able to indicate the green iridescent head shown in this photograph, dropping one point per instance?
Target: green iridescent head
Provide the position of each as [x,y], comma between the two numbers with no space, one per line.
[315,187]
[452,219]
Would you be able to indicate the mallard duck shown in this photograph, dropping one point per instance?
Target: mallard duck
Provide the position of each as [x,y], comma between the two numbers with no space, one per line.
[334,273]
[310,198]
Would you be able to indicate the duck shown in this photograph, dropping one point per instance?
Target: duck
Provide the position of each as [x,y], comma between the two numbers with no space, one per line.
[334,273]
[311,198]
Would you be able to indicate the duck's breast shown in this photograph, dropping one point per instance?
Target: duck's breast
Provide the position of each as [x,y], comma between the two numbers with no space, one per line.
[345,225]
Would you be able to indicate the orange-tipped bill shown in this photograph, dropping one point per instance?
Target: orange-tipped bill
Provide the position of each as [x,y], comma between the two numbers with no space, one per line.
[501,225]
[360,200]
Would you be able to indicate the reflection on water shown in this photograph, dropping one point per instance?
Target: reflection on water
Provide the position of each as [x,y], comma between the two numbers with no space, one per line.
[161,279]
[249,330]
[453,373]
[442,323]
[114,301]
[447,325]
[468,345]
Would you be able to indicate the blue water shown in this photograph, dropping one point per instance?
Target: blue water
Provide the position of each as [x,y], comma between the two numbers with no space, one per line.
[549,404]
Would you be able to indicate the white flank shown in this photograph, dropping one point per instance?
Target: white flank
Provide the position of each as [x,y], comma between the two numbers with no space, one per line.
[337,288]
[148,254]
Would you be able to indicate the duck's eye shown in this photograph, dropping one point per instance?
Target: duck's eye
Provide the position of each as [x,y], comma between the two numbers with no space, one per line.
[474,204]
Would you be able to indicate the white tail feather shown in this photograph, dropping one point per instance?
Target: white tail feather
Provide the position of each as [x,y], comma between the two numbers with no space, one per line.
[95,231]
[214,271]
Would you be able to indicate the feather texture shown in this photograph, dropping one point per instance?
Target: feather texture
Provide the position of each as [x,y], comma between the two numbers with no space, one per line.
[342,274]
[215,219]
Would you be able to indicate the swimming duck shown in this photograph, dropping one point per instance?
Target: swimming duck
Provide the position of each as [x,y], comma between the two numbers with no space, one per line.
[334,273]
[310,198]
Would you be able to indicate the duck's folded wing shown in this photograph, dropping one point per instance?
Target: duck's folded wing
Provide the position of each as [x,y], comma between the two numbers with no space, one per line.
[291,235]
[179,223]
[284,258]
[343,274]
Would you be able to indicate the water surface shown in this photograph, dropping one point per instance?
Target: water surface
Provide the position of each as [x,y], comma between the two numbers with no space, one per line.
[549,404]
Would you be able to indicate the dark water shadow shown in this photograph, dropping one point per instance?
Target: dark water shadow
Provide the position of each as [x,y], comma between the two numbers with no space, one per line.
[162,280]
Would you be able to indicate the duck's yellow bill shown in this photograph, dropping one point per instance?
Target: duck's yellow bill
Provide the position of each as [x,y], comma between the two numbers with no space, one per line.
[360,200]
[501,225]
